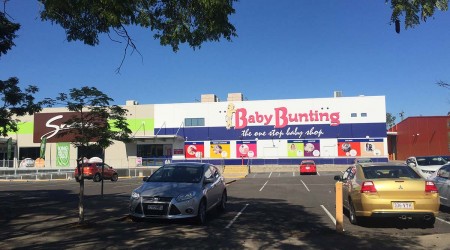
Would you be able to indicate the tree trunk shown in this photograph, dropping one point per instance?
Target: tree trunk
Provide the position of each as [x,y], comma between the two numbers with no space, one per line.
[81,195]
[103,168]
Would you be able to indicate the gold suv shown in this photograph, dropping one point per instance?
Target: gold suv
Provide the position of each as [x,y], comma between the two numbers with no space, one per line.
[388,190]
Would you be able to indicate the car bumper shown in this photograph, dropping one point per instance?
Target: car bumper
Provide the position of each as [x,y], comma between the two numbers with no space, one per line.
[384,208]
[308,171]
[145,208]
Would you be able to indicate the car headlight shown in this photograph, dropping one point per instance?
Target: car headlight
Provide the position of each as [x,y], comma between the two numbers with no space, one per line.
[185,197]
[135,195]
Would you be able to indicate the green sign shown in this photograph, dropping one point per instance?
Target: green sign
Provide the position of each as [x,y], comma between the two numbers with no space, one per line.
[63,154]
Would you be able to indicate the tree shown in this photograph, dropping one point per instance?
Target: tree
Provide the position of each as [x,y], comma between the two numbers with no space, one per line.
[390,120]
[94,123]
[172,21]
[443,84]
[16,102]
[7,33]
[414,11]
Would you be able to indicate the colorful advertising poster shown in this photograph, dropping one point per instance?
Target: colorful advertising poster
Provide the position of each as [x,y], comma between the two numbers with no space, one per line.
[219,149]
[311,148]
[246,149]
[300,148]
[372,147]
[194,149]
[63,154]
[349,147]
[295,148]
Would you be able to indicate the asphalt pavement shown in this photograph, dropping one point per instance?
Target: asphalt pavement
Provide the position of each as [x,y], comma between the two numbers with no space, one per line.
[46,217]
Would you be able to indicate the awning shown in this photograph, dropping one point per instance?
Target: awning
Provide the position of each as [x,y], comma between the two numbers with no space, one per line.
[154,137]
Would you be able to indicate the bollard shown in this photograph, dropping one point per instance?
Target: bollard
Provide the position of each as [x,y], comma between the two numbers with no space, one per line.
[339,208]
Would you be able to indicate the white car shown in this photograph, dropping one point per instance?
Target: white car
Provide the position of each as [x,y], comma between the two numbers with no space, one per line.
[426,165]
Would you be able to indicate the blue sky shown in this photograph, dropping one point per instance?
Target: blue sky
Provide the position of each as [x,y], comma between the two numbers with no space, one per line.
[285,49]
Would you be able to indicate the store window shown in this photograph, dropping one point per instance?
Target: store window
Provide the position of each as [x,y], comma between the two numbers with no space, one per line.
[194,122]
[151,151]
[354,115]
[29,152]
[363,114]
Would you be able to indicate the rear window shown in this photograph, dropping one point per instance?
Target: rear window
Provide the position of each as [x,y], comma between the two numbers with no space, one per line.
[388,171]
[428,161]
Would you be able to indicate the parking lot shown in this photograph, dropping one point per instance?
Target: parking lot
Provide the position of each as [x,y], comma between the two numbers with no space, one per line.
[273,210]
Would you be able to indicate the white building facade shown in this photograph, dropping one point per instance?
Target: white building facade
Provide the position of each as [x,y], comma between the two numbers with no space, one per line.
[328,130]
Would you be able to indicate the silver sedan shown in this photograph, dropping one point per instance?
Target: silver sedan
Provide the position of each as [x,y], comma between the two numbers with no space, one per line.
[441,179]
[179,190]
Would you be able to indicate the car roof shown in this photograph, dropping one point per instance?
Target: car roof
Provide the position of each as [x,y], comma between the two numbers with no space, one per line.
[188,164]
[363,159]
[374,164]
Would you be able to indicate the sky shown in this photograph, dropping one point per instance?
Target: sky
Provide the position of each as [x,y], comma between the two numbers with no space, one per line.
[285,49]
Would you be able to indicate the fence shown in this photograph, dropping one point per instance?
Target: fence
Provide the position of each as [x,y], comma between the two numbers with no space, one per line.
[65,174]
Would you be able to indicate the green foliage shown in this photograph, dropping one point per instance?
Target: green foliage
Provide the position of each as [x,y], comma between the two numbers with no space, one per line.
[173,21]
[415,10]
[443,84]
[16,102]
[7,34]
[390,120]
[95,122]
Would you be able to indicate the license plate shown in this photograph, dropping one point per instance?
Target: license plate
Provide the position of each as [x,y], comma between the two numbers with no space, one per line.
[402,205]
[307,168]
[155,207]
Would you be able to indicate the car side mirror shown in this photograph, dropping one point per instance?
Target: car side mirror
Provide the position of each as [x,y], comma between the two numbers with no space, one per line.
[208,180]
[338,178]
[145,178]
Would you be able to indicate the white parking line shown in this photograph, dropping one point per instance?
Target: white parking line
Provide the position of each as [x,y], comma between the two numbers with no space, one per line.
[318,173]
[235,217]
[329,214]
[439,219]
[263,186]
[270,174]
[305,186]
[293,174]
[279,174]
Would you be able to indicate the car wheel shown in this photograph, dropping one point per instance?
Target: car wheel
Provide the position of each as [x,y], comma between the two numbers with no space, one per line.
[430,222]
[136,219]
[115,177]
[201,213]
[97,178]
[223,202]
[352,214]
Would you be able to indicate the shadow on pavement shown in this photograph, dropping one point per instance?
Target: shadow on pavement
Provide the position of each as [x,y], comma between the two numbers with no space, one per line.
[49,220]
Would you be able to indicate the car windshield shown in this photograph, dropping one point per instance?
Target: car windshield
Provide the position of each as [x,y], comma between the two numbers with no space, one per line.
[429,161]
[177,173]
[389,171]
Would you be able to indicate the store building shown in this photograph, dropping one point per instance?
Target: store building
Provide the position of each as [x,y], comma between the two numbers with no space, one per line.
[236,131]
[419,136]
